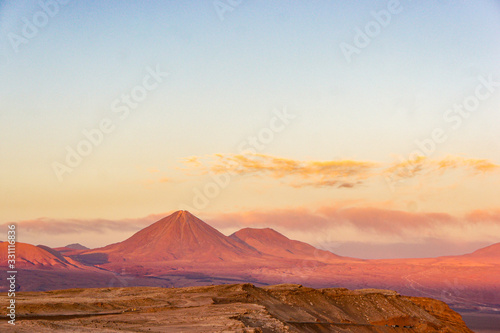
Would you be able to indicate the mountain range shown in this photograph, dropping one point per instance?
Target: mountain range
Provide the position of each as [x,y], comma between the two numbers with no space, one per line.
[181,250]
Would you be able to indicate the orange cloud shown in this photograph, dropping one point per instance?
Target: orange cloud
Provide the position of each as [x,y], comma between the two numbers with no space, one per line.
[407,168]
[334,173]
[423,165]
[474,165]
[193,160]
[77,226]
[484,216]
[337,173]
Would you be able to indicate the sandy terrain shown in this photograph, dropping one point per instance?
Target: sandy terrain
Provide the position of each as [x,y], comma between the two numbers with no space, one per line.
[229,308]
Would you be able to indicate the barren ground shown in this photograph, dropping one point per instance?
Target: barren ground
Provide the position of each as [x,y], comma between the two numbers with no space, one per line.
[229,308]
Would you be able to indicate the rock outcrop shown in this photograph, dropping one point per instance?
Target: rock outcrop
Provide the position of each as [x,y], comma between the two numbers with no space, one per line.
[231,308]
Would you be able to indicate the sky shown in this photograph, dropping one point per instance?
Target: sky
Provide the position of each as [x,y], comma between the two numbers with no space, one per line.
[367,128]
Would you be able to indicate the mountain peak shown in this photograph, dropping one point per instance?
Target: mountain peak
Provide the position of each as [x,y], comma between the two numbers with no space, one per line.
[180,216]
[76,246]
[181,235]
[30,256]
[269,232]
[179,219]
[271,242]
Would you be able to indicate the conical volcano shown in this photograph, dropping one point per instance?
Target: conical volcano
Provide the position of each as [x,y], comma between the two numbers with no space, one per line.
[178,236]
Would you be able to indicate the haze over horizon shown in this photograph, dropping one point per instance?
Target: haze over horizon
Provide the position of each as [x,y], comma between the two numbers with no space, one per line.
[255,117]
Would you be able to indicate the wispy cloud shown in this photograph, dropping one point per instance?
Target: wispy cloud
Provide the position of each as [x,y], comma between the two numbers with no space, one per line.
[326,227]
[425,166]
[333,173]
[341,224]
[76,226]
[387,221]
[336,173]
[484,216]
[294,219]
[193,160]
[471,164]
[368,219]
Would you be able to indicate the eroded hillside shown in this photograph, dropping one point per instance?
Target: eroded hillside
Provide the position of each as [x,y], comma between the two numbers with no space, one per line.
[230,308]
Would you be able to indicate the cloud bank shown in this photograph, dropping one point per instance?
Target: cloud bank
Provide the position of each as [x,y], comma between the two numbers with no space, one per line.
[333,173]
[77,226]
[357,231]
[336,225]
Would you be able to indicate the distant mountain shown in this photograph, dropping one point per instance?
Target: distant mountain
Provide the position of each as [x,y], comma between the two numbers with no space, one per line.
[71,249]
[179,236]
[76,246]
[273,243]
[182,250]
[34,257]
[491,252]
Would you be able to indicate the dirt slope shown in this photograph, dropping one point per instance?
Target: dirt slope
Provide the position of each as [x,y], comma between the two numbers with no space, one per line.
[230,308]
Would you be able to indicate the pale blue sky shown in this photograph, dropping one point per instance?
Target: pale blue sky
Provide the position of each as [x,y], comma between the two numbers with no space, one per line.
[225,79]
